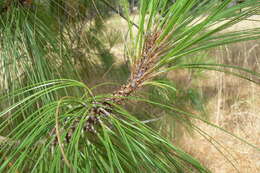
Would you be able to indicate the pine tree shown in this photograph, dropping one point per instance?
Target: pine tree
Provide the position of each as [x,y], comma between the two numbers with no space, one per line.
[54,114]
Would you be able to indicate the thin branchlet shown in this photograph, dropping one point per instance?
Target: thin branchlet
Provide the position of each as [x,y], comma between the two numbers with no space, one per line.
[140,68]
[139,74]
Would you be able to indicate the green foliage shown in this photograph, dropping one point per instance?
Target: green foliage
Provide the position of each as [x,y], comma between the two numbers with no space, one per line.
[121,143]
[49,123]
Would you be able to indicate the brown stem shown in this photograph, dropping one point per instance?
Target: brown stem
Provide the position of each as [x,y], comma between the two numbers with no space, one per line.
[141,69]
[141,72]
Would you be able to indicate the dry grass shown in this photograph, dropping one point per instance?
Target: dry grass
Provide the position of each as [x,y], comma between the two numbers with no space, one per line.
[235,107]
[233,104]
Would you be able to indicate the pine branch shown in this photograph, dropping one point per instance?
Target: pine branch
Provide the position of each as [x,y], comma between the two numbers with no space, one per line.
[140,70]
